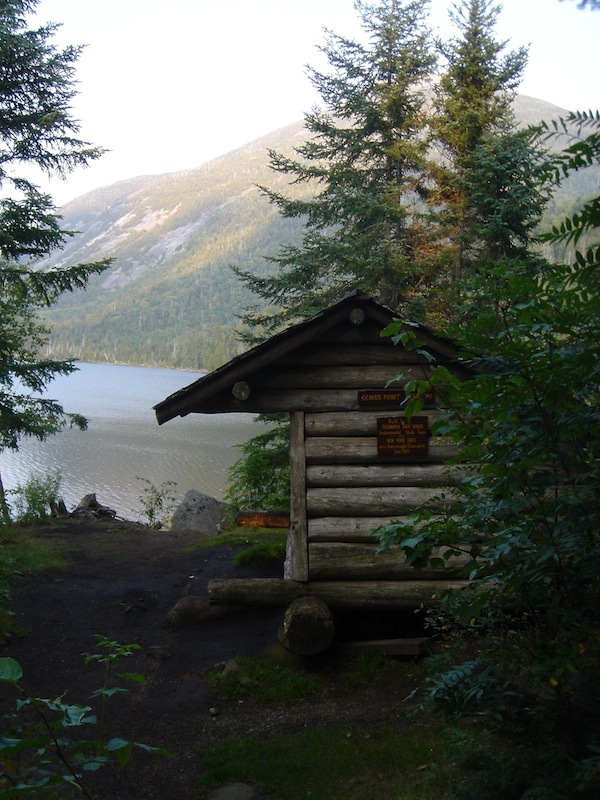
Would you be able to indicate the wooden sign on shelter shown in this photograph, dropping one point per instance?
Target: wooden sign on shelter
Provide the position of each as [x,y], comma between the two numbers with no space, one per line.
[352,468]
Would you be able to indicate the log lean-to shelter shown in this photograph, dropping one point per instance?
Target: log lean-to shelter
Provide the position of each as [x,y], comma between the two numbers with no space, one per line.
[356,462]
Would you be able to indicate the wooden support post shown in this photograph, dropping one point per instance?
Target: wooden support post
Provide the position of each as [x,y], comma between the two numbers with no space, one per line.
[296,561]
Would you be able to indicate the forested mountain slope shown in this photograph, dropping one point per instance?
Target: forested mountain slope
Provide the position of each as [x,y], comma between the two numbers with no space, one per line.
[171,297]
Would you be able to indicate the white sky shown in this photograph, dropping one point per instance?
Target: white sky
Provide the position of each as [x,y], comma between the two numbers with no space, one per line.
[167,86]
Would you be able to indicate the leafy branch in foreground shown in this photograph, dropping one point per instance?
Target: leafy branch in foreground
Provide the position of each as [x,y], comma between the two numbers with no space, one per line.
[40,749]
[527,427]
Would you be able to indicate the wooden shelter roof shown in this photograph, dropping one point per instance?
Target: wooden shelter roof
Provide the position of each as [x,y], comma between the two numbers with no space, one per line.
[212,393]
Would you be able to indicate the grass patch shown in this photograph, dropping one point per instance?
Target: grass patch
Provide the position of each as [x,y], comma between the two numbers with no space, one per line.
[327,763]
[240,535]
[262,545]
[262,681]
[366,667]
[30,554]
[265,552]
[21,554]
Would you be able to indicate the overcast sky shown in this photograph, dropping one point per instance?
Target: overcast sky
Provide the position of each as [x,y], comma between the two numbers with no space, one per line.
[167,86]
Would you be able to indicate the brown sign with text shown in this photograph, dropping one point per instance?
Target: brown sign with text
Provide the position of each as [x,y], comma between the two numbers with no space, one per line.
[397,436]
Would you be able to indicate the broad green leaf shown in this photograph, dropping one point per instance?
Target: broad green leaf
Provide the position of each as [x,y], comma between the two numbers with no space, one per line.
[121,748]
[10,670]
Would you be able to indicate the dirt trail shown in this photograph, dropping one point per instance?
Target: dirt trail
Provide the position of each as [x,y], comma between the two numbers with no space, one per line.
[121,581]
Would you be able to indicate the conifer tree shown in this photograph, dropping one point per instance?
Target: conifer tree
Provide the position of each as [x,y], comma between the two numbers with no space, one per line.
[37,85]
[366,163]
[487,171]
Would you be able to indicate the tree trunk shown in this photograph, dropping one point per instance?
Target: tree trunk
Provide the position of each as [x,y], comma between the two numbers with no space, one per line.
[4,510]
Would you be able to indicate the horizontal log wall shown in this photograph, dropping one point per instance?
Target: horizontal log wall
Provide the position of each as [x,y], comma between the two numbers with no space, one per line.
[380,475]
[379,501]
[348,529]
[343,561]
[363,449]
[343,488]
[351,491]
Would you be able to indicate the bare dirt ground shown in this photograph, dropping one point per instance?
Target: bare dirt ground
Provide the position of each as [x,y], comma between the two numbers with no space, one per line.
[121,581]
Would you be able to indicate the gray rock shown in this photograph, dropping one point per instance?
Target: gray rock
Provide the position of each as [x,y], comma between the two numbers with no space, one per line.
[235,791]
[199,512]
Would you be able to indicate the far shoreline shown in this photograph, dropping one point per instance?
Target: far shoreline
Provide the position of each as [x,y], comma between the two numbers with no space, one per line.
[77,362]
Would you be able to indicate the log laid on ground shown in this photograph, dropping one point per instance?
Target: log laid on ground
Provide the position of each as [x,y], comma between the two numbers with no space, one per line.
[337,594]
[307,627]
[263,519]
[415,646]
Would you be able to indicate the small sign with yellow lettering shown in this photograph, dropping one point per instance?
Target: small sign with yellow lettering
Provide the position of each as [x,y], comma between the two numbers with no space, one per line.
[391,398]
[397,436]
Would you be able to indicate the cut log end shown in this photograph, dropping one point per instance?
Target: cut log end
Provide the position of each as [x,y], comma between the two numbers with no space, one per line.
[307,627]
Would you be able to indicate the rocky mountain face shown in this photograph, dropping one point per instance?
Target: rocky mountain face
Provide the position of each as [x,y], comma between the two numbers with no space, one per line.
[170,297]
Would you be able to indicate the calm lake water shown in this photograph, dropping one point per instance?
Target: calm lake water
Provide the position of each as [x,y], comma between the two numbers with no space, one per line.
[124,444]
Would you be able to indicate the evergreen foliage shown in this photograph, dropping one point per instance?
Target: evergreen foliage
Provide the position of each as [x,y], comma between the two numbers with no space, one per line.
[264,455]
[388,217]
[529,426]
[485,170]
[36,130]
[170,297]
[366,163]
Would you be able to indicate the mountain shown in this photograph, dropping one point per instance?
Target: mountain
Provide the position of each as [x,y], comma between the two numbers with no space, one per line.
[171,298]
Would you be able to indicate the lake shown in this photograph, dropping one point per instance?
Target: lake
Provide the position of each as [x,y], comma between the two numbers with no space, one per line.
[124,446]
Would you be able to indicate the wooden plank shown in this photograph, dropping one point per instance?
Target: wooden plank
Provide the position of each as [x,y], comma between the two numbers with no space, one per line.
[296,560]
[363,449]
[348,529]
[342,377]
[263,519]
[381,475]
[353,354]
[344,529]
[379,501]
[337,594]
[343,423]
[416,646]
[282,400]
[343,561]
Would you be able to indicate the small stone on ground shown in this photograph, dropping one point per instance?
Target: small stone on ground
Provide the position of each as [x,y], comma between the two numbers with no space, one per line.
[235,791]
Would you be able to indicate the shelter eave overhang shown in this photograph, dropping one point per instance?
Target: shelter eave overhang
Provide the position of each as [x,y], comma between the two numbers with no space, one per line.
[215,392]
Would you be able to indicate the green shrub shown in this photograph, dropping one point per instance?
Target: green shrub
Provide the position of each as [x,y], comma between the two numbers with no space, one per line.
[260,479]
[267,552]
[39,749]
[38,499]
[157,502]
